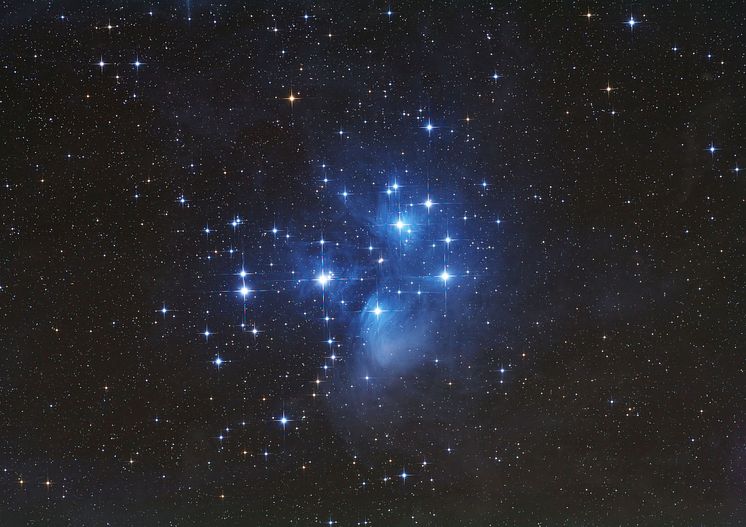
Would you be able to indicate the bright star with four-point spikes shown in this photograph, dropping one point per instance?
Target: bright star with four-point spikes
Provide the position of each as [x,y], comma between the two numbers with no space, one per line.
[323,279]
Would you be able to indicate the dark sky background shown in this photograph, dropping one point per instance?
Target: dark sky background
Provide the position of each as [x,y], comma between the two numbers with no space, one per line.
[554,333]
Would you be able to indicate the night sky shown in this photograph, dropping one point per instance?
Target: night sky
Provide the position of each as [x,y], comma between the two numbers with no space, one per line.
[369,263]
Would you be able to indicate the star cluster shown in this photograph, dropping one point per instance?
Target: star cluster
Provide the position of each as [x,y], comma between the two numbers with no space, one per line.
[457,263]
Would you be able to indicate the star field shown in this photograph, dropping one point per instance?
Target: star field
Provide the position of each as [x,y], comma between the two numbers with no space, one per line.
[425,263]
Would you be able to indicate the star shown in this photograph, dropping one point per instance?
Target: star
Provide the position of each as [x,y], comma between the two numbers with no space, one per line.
[292,98]
[323,279]
[283,420]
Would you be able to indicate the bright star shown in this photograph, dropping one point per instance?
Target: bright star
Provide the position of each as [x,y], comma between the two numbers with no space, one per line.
[428,203]
[242,274]
[218,361]
[292,98]
[244,291]
[377,310]
[323,279]
[631,22]
[444,275]
[283,420]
